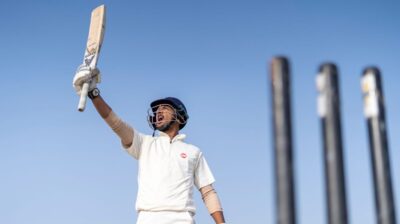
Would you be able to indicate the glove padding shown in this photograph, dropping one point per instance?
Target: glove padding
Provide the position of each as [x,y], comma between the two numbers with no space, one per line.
[86,74]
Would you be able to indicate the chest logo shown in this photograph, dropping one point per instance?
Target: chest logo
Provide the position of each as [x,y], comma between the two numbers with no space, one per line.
[183,155]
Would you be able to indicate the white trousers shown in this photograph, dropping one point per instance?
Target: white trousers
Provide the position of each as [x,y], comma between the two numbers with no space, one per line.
[165,217]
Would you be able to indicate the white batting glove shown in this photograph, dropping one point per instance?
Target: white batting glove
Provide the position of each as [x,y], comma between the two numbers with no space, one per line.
[85,74]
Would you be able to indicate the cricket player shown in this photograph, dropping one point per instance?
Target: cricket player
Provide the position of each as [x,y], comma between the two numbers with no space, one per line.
[168,167]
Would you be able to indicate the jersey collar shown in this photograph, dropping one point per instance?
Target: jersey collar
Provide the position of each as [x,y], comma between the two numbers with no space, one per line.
[178,137]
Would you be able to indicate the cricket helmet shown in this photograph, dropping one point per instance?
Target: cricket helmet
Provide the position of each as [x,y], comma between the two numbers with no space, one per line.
[180,110]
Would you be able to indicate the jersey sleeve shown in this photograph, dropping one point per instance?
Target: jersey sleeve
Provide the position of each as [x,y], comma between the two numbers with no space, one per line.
[202,174]
[136,147]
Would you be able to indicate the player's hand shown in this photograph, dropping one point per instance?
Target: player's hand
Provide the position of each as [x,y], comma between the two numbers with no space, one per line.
[86,74]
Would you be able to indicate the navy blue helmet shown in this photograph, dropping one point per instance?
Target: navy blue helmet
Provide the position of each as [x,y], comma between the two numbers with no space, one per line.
[175,103]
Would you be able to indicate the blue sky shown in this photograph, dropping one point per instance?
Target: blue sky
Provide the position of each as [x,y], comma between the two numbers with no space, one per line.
[62,166]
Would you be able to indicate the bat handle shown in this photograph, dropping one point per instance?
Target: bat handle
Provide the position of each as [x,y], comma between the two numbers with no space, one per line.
[82,100]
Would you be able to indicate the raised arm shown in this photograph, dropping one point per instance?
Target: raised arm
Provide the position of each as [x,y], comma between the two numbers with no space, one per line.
[101,106]
[122,129]
[92,76]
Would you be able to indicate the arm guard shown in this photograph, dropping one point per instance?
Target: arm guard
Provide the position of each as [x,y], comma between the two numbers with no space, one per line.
[122,129]
[210,198]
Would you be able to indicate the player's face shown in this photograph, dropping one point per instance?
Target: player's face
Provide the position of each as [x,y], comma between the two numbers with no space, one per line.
[164,115]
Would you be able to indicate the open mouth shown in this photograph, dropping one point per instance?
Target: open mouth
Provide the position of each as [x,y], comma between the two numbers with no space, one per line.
[160,119]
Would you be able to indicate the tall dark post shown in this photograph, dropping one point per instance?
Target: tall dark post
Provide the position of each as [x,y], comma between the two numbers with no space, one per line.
[282,126]
[329,112]
[374,110]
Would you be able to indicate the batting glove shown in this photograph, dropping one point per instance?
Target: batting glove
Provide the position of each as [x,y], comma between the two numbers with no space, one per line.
[86,74]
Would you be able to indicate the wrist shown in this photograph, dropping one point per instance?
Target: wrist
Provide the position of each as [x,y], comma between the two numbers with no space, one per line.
[94,93]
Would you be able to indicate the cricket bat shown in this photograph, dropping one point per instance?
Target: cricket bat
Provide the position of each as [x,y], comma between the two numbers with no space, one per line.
[93,46]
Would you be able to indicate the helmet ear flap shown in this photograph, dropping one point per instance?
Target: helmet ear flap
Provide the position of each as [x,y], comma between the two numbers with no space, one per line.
[180,118]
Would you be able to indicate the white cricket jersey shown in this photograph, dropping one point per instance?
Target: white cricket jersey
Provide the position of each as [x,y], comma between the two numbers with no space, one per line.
[167,172]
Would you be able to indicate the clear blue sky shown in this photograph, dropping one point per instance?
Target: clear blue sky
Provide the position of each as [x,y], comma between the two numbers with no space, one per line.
[61,166]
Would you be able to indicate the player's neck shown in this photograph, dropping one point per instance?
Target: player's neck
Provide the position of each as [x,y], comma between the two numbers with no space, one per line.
[172,131]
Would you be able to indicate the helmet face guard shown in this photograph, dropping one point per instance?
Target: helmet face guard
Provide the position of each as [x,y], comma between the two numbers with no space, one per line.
[180,114]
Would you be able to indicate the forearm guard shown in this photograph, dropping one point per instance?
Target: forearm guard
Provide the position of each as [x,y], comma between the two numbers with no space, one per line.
[210,198]
[122,129]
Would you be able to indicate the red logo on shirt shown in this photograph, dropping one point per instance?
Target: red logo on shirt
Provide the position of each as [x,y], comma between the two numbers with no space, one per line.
[183,155]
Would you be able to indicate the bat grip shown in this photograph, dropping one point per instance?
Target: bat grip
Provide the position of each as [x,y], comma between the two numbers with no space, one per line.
[82,100]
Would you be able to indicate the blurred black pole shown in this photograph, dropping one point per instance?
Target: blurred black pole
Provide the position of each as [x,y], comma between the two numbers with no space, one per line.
[329,112]
[282,126]
[374,110]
